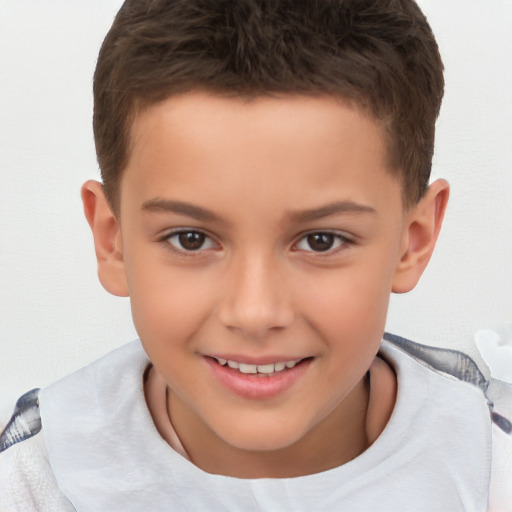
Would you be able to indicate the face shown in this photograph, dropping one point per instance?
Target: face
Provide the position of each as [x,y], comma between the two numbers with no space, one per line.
[260,241]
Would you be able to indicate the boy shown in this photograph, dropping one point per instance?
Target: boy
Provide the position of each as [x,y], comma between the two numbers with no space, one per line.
[265,188]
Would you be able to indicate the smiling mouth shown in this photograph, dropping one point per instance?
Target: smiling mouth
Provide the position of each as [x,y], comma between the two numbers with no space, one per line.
[260,370]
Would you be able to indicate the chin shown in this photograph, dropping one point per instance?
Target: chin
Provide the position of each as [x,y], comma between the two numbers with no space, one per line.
[261,438]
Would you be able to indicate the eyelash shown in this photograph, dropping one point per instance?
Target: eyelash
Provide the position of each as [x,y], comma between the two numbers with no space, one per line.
[339,241]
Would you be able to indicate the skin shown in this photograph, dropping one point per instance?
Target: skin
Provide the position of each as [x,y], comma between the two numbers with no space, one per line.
[257,177]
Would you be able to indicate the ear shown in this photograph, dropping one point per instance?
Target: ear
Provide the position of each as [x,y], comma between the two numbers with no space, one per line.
[107,239]
[423,226]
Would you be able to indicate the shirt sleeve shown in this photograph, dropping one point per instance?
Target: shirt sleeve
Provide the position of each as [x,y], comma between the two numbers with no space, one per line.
[27,483]
[500,395]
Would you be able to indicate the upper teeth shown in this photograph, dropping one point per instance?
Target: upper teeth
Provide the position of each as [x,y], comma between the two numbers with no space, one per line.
[257,368]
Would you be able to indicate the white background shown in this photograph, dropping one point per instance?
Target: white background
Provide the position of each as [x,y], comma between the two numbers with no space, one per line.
[54,315]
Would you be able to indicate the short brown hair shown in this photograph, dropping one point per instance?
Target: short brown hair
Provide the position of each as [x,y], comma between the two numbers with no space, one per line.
[380,54]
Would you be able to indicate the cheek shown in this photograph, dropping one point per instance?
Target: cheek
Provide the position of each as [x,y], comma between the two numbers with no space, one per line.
[350,306]
[167,304]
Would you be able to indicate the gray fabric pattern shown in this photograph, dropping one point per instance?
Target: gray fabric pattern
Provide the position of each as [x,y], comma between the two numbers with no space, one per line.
[24,423]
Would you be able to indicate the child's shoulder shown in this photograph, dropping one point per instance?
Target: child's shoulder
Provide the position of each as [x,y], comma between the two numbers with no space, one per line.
[30,439]
[28,483]
[453,366]
[461,401]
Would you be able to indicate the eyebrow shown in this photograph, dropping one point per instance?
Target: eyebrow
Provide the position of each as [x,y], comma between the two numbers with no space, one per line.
[335,208]
[204,215]
[182,208]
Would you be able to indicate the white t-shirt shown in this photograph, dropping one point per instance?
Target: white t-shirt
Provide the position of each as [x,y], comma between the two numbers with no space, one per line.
[100,451]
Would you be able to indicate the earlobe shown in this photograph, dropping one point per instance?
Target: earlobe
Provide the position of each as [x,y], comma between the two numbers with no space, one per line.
[107,239]
[422,230]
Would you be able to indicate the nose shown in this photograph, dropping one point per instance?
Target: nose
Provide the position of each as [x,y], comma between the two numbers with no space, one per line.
[255,298]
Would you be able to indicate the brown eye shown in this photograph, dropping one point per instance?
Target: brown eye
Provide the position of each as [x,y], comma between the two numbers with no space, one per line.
[321,241]
[189,241]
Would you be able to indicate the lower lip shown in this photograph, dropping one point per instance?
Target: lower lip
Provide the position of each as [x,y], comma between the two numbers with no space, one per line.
[256,387]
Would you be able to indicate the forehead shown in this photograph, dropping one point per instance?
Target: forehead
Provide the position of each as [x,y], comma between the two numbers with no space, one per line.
[287,148]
